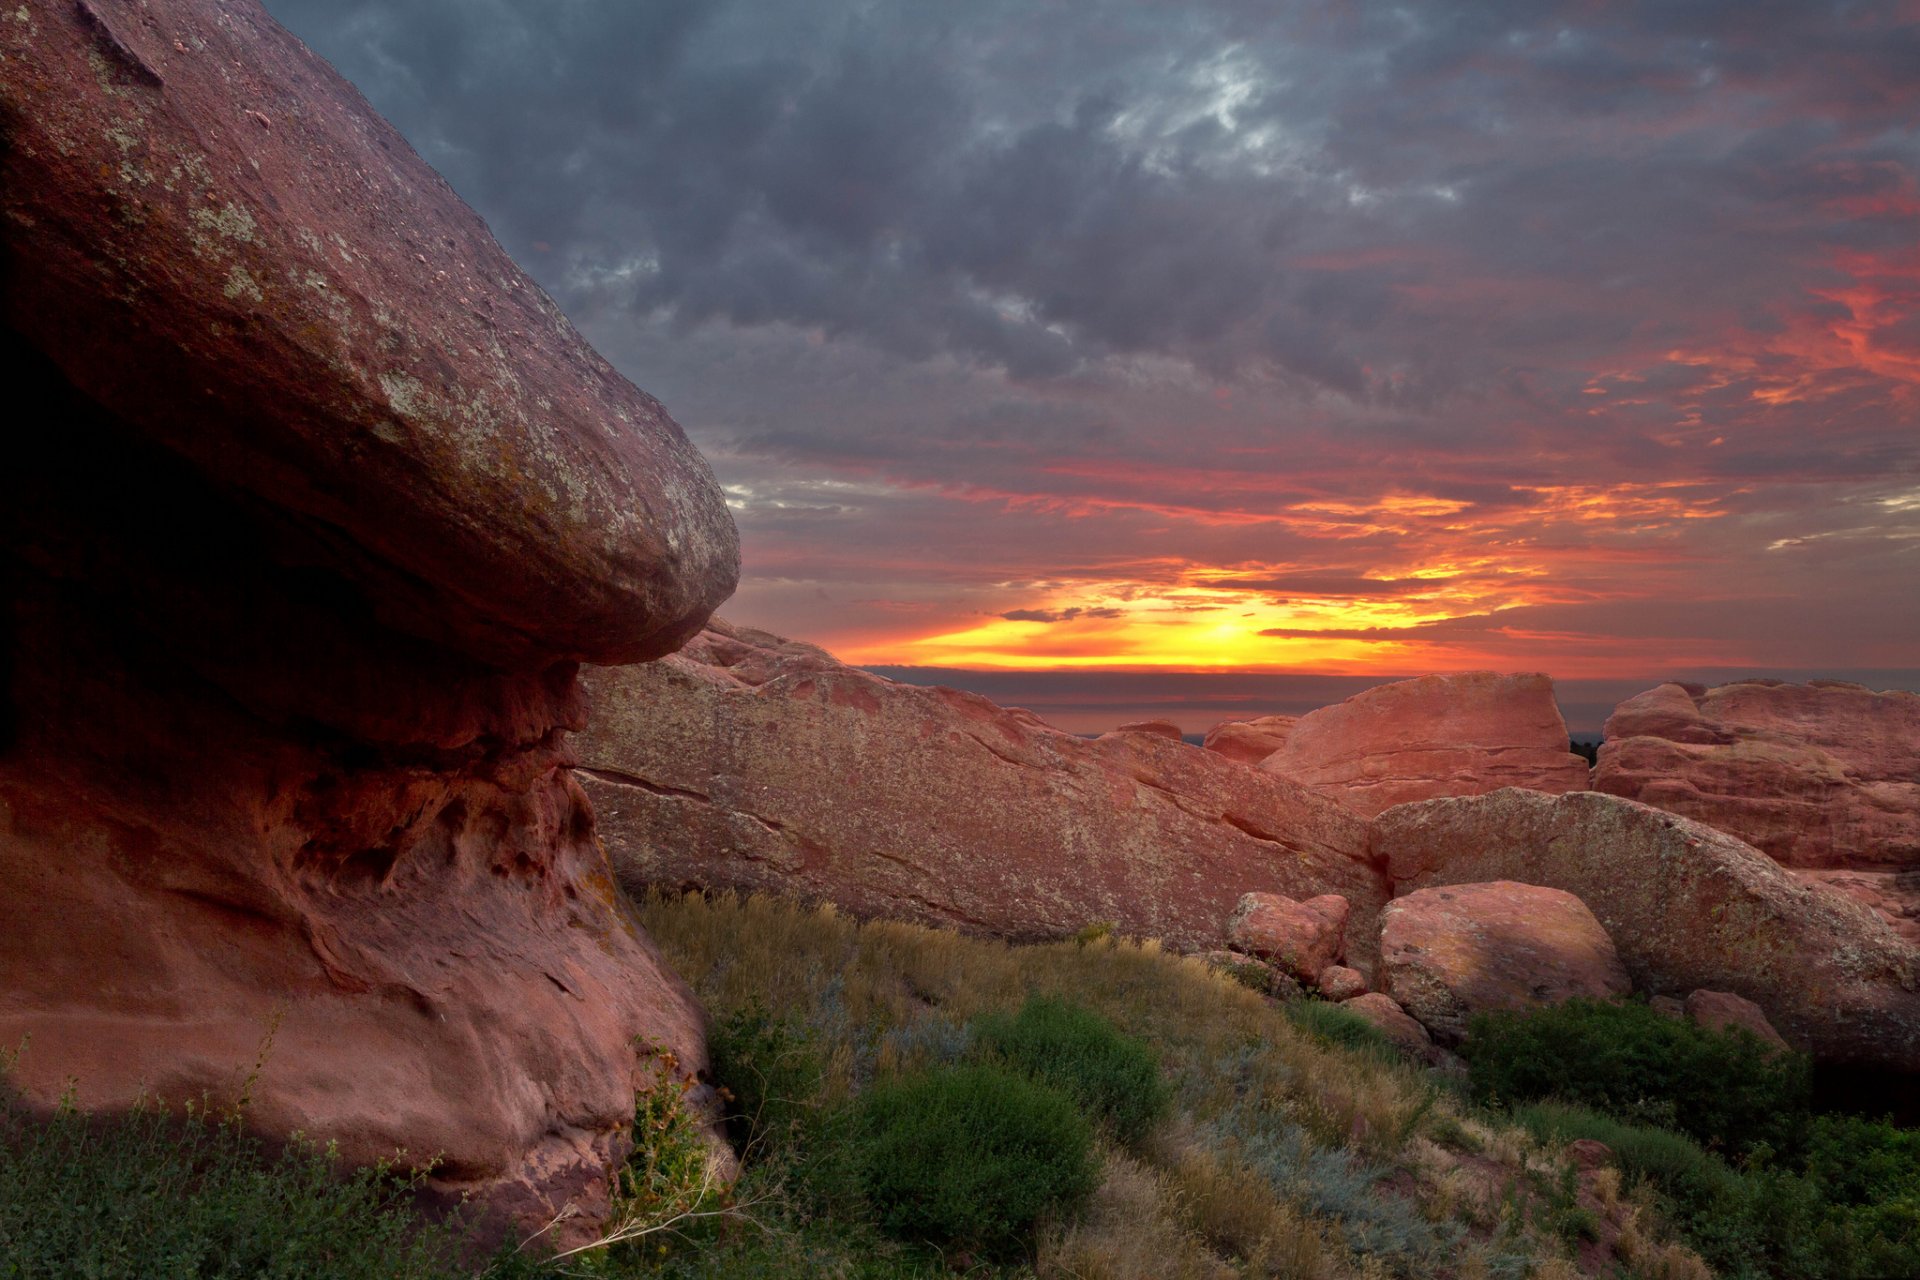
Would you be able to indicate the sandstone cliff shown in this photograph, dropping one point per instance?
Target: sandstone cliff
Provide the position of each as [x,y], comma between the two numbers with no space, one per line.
[312,503]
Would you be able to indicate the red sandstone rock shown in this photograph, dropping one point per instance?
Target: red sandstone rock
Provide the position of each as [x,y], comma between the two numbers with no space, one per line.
[1158,728]
[750,762]
[1449,953]
[1385,1013]
[1249,741]
[1256,974]
[1687,906]
[1301,938]
[312,503]
[1824,776]
[1435,736]
[1337,982]
[1721,1009]
[1892,895]
[309,314]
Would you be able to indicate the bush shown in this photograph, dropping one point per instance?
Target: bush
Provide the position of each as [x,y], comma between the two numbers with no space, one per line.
[154,1194]
[772,1074]
[1725,1089]
[1113,1077]
[971,1155]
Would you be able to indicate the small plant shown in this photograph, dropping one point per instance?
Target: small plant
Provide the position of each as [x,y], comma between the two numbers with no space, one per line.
[972,1155]
[771,1075]
[1342,1029]
[1114,1078]
[1096,931]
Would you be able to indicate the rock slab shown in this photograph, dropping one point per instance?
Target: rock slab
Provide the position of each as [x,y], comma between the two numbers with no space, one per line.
[312,503]
[1249,741]
[756,763]
[1447,954]
[1687,906]
[1718,1010]
[1459,735]
[1300,938]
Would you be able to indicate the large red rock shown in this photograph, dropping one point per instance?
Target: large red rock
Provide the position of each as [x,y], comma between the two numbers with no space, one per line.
[755,763]
[1301,938]
[311,503]
[1820,776]
[1720,1010]
[1688,906]
[1459,735]
[1447,954]
[1249,741]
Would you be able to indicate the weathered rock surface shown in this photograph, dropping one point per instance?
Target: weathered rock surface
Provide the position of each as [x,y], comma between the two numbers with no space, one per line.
[1249,741]
[1337,982]
[311,505]
[752,762]
[1822,776]
[1718,1010]
[1460,735]
[1687,906]
[1300,938]
[1385,1013]
[1158,728]
[1449,953]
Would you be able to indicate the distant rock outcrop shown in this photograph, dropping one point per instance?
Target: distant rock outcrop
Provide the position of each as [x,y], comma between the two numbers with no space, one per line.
[1687,906]
[1447,954]
[1823,775]
[1249,741]
[1460,735]
[312,503]
[751,762]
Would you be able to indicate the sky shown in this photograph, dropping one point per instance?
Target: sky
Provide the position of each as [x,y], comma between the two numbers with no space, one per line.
[1201,352]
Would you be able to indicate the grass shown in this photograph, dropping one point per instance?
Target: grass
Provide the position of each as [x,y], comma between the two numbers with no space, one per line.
[1285,1147]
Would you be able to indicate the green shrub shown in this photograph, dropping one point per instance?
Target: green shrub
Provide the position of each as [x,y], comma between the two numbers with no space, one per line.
[1868,1171]
[1725,1089]
[159,1195]
[772,1075]
[1341,1028]
[971,1155]
[1113,1077]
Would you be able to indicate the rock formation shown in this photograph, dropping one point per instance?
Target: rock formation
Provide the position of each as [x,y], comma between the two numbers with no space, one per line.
[1687,906]
[1718,1010]
[312,504]
[751,762]
[1447,954]
[1458,735]
[1249,741]
[1823,777]
[1158,728]
[1385,1013]
[1302,939]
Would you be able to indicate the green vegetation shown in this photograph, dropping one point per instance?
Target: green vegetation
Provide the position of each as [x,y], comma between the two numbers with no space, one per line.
[168,1195]
[972,1156]
[1725,1089]
[1114,1078]
[1341,1028]
[1716,1129]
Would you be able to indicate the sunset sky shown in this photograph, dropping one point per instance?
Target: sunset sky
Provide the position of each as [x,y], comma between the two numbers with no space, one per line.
[1245,340]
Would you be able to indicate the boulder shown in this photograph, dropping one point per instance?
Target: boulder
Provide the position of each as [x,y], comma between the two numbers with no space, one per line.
[750,762]
[1383,1012]
[1460,735]
[1822,777]
[1337,982]
[1256,974]
[1249,741]
[1718,1010]
[1158,728]
[311,505]
[1449,953]
[1688,906]
[1300,938]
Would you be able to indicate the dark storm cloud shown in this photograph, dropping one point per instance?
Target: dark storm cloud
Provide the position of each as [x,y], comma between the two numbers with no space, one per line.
[1005,292]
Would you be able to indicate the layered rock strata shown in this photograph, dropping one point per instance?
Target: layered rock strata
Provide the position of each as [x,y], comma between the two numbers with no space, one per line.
[314,503]
[751,762]
[1459,735]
